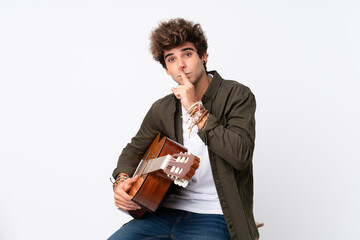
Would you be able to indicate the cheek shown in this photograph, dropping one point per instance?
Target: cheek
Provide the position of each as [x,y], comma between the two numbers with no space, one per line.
[174,76]
[201,63]
[170,71]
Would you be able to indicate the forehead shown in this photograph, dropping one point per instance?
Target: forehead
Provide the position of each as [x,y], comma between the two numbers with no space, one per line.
[180,48]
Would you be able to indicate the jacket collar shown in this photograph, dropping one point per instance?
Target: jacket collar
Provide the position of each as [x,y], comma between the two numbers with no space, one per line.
[214,85]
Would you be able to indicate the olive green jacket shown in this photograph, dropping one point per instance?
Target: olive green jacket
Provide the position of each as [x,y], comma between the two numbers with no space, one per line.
[229,136]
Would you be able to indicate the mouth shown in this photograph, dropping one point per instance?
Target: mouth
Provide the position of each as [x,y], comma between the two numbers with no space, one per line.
[187,74]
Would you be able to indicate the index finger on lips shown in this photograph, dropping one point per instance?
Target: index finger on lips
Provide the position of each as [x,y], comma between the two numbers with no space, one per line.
[183,76]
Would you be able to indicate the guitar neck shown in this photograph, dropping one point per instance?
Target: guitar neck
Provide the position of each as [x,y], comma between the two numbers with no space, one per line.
[150,165]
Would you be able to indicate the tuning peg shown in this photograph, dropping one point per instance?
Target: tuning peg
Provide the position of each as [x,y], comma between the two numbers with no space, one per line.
[181,182]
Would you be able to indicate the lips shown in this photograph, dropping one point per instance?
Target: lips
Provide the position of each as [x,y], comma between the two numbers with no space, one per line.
[185,74]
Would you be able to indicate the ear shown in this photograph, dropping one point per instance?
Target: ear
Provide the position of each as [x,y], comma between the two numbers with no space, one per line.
[204,57]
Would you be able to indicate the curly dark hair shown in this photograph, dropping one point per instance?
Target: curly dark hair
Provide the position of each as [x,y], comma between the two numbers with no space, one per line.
[173,33]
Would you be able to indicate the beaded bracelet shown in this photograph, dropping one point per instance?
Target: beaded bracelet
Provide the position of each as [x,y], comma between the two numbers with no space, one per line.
[192,106]
[206,120]
[202,114]
[120,178]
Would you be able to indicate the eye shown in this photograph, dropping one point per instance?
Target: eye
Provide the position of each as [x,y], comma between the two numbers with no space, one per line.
[171,59]
[188,54]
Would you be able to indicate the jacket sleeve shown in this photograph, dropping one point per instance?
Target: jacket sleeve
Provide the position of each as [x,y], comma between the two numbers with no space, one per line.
[133,152]
[231,134]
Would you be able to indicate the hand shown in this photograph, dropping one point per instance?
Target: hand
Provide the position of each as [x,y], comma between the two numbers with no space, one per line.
[185,91]
[122,199]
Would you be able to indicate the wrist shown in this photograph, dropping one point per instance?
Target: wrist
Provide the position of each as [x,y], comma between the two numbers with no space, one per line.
[119,179]
[191,105]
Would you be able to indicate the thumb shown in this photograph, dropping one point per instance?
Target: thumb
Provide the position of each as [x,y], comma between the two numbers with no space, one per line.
[133,179]
[130,182]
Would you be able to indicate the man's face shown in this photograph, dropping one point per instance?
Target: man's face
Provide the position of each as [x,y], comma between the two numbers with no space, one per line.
[186,57]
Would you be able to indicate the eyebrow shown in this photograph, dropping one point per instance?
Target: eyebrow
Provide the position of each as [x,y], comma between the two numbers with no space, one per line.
[182,50]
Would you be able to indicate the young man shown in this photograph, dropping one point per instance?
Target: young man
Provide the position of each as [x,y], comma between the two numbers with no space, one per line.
[217,203]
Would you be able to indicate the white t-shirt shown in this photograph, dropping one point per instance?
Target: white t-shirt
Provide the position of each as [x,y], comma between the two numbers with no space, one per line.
[200,195]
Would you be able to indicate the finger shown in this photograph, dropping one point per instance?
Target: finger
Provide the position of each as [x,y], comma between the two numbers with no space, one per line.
[122,195]
[185,79]
[127,207]
[128,183]
[124,202]
[176,92]
[180,89]
[133,179]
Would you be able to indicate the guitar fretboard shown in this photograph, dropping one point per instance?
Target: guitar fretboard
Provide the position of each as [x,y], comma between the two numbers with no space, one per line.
[153,165]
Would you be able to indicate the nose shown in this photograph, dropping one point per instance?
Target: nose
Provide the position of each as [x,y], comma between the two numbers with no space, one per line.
[181,63]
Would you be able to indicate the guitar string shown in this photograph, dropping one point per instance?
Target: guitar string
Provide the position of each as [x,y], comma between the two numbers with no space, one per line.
[154,165]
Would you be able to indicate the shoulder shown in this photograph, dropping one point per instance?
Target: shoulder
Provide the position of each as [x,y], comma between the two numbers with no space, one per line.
[163,107]
[164,101]
[231,87]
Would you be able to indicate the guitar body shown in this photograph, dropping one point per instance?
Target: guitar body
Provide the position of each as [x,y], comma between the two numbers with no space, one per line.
[150,189]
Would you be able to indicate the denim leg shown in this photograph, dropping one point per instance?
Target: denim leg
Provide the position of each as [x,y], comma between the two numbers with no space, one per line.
[194,226]
[153,226]
[171,224]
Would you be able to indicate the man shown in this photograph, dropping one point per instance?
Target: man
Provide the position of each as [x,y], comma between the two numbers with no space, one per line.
[214,119]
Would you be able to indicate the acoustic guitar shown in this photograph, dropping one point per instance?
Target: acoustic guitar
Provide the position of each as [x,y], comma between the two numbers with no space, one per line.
[164,162]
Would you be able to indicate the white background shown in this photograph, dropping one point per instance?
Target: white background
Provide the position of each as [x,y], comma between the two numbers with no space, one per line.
[77,78]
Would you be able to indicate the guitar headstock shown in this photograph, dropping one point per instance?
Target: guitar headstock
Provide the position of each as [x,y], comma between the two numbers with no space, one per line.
[180,167]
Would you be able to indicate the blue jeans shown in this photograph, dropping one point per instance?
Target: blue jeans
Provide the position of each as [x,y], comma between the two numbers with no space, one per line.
[174,224]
